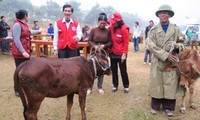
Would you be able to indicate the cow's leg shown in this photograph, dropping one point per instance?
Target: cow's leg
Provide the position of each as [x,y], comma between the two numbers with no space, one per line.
[33,107]
[183,108]
[69,105]
[82,100]
[191,89]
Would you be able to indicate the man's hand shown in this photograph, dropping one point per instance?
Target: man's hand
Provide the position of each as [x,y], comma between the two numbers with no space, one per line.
[75,38]
[171,58]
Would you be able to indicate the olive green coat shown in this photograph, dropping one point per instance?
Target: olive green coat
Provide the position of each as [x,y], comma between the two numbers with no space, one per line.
[163,84]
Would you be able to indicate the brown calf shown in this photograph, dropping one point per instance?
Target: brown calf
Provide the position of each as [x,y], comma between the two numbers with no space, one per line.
[52,77]
[189,69]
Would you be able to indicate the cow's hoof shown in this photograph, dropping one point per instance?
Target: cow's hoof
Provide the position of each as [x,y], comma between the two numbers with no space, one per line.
[182,111]
[84,119]
[193,107]
[68,119]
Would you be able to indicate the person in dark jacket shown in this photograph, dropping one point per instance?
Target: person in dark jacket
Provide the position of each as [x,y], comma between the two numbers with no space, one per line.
[50,30]
[4,27]
[147,52]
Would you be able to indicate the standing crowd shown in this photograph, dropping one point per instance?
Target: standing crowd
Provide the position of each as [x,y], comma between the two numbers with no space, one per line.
[112,35]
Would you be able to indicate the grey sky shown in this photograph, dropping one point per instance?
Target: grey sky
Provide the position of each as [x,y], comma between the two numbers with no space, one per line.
[144,8]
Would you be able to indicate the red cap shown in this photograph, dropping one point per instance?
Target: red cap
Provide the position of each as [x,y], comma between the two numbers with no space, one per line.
[114,18]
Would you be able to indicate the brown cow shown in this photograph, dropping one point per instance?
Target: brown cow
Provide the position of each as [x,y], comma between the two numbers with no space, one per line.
[52,77]
[189,69]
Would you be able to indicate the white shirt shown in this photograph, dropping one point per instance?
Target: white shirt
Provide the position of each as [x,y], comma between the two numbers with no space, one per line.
[55,39]
[136,32]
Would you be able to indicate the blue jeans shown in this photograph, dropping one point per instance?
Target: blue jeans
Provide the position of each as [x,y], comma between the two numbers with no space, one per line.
[5,47]
[147,54]
[136,44]
[100,82]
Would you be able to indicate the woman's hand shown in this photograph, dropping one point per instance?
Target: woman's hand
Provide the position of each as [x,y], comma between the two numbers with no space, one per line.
[26,55]
[102,46]
[123,58]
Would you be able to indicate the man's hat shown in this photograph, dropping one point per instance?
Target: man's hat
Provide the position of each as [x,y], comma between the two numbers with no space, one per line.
[166,8]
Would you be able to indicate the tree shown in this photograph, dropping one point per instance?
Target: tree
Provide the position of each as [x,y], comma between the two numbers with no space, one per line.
[92,16]
[9,7]
[50,14]
[130,18]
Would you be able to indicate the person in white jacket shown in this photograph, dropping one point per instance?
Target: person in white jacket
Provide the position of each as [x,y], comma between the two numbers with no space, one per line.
[136,36]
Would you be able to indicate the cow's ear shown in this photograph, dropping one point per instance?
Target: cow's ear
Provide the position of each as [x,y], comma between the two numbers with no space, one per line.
[104,53]
[195,68]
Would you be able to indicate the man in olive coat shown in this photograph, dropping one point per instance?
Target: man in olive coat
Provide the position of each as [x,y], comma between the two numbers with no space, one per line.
[165,42]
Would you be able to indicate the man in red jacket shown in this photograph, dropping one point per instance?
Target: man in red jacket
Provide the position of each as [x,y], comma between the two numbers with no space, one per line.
[119,50]
[67,33]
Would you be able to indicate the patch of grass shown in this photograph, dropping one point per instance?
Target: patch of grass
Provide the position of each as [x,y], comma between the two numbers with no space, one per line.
[137,114]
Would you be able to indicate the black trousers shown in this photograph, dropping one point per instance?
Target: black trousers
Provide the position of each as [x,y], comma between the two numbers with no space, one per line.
[123,69]
[166,104]
[67,53]
[18,61]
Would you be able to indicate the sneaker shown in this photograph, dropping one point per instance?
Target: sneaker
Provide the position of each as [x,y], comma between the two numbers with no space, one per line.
[153,112]
[144,63]
[89,91]
[126,90]
[100,91]
[6,53]
[169,113]
[114,89]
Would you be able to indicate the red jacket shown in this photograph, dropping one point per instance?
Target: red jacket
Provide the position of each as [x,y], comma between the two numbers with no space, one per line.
[65,36]
[120,40]
[25,40]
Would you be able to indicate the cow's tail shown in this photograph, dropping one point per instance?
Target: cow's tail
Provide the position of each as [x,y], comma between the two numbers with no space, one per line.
[20,89]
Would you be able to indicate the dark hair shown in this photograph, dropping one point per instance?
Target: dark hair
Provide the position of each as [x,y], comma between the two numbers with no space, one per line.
[35,21]
[2,17]
[68,6]
[102,16]
[50,24]
[20,14]
[151,21]
[137,22]
[85,29]
[119,25]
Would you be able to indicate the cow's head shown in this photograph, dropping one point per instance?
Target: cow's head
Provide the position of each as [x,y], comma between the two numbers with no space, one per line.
[189,70]
[100,57]
[187,53]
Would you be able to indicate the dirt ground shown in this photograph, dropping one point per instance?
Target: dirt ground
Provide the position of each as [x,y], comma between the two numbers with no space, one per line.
[111,106]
